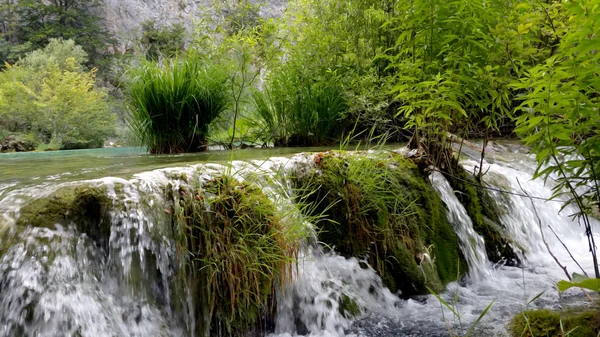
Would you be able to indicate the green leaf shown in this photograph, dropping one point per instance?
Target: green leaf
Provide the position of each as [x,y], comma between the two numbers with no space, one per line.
[580,281]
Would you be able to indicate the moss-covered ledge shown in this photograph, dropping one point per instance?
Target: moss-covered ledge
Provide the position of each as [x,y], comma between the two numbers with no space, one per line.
[379,206]
[486,216]
[575,322]
[84,206]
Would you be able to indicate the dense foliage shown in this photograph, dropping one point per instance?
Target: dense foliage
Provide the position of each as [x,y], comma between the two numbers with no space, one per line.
[50,97]
[172,103]
[27,25]
[161,41]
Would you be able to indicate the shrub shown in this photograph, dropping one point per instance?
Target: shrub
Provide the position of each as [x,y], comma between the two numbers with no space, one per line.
[171,104]
[162,41]
[296,108]
[235,252]
[51,95]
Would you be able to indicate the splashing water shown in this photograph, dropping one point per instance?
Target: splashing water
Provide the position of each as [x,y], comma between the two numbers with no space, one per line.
[471,243]
[58,282]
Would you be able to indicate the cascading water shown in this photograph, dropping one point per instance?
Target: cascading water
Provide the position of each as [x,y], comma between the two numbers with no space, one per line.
[60,282]
[471,243]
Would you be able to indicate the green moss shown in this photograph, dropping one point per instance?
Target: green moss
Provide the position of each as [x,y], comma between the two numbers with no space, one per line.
[84,206]
[235,251]
[535,323]
[380,207]
[348,307]
[486,216]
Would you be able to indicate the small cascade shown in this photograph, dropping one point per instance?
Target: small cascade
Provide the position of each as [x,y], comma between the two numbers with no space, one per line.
[526,220]
[58,281]
[472,244]
[328,293]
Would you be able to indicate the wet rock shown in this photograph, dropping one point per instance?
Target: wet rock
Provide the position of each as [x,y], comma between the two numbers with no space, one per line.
[16,143]
[84,206]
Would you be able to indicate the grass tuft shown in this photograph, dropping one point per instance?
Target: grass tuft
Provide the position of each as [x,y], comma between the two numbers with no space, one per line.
[235,251]
[171,104]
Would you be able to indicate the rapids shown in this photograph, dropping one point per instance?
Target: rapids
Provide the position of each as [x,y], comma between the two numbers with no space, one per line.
[58,282]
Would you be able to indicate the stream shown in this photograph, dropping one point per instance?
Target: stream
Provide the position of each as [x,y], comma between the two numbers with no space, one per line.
[58,282]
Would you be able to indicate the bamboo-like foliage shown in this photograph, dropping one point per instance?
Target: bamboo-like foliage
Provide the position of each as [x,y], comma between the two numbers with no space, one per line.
[235,252]
[172,103]
[297,109]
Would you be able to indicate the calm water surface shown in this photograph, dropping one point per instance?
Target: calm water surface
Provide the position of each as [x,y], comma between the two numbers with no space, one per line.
[25,169]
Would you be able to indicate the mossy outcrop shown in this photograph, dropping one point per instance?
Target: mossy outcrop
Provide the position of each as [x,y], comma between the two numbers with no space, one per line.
[548,323]
[485,213]
[234,252]
[84,206]
[379,206]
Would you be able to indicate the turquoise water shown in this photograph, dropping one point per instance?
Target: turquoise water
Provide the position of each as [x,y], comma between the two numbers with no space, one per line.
[33,168]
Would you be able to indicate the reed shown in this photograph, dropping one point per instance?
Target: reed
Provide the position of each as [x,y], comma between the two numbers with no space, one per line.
[296,110]
[173,102]
[236,251]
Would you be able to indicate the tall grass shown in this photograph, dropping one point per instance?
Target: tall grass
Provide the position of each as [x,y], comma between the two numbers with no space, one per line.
[296,109]
[235,252]
[172,103]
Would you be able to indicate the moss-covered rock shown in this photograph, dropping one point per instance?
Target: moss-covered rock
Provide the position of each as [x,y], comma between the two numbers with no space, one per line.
[348,307]
[535,323]
[379,206]
[485,213]
[234,251]
[84,206]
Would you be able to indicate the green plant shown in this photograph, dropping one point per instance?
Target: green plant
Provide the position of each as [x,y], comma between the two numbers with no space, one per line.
[235,251]
[51,95]
[296,109]
[171,104]
[559,116]
[162,41]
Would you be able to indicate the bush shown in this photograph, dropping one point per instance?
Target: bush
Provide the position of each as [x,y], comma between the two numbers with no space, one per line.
[235,252]
[51,95]
[296,109]
[172,104]
[162,41]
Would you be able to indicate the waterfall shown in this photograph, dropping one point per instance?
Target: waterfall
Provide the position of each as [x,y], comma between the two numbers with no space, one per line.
[61,282]
[471,243]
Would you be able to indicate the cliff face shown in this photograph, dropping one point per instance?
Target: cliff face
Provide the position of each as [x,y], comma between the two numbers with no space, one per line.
[124,17]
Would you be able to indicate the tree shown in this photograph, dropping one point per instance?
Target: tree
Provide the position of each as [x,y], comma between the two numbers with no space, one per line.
[51,96]
[559,115]
[39,21]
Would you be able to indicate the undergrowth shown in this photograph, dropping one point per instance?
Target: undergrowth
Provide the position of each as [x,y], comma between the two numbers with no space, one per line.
[235,251]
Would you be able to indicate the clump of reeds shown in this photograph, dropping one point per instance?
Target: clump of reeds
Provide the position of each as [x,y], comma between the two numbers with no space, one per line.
[235,252]
[173,102]
[295,109]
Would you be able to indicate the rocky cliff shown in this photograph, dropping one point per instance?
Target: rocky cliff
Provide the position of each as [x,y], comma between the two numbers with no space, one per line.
[124,17]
